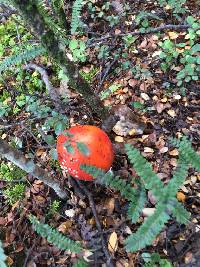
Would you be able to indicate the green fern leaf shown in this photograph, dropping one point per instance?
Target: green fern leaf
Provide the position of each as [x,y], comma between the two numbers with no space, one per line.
[26,55]
[144,170]
[2,256]
[137,204]
[187,152]
[178,178]
[55,237]
[148,230]
[182,215]
[76,13]
[110,180]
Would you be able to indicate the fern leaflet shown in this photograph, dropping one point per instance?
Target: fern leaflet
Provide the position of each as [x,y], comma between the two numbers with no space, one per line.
[187,152]
[76,13]
[55,237]
[150,228]
[136,205]
[112,181]
[181,214]
[144,170]
[26,55]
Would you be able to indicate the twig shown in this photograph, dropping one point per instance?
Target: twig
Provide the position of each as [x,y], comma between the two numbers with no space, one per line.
[106,73]
[109,262]
[51,90]
[148,31]
[28,165]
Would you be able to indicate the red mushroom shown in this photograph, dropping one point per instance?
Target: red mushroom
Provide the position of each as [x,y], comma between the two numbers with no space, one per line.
[84,144]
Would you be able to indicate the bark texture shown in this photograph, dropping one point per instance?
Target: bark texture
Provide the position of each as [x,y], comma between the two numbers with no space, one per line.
[31,14]
[17,158]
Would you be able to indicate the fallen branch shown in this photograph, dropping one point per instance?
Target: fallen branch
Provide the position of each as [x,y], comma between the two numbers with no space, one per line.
[17,158]
[109,261]
[51,90]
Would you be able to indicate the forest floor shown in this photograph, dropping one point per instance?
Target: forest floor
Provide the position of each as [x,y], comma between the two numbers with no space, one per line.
[126,71]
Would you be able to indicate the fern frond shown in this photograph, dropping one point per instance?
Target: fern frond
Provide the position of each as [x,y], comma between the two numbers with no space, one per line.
[76,13]
[2,256]
[57,6]
[50,21]
[26,55]
[180,213]
[110,180]
[144,170]
[55,237]
[187,152]
[178,178]
[150,228]
[137,204]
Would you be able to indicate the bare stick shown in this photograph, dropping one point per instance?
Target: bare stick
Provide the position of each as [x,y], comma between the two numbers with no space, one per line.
[51,90]
[17,157]
[109,262]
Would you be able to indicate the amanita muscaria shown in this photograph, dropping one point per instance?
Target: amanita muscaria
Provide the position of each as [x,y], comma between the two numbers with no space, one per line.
[84,144]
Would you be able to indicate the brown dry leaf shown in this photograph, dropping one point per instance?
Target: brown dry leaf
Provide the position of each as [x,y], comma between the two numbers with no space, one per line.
[173,35]
[145,96]
[143,44]
[39,199]
[164,99]
[119,139]
[63,227]
[110,205]
[113,242]
[132,83]
[174,152]
[40,152]
[9,261]
[171,113]
[180,196]
[3,221]
[163,150]
[148,150]
[160,107]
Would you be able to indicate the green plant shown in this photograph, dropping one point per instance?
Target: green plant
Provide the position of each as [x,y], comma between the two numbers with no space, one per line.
[58,239]
[14,193]
[53,208]
[22,57]
[139,106]
[10,172]
[76,12]
[167,203]
[175,5]
[154,259]
[2,256]
[89,75]
[140,73]
[109,91]
[78,49]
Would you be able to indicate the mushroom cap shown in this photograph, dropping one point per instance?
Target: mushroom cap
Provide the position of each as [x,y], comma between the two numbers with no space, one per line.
[100,151]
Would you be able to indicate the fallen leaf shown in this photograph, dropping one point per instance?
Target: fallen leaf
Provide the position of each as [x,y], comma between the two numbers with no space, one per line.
[173,35]
[132,83]
[63,227]
[174,152]
[145,96]
[180,196]
[148,150]
[113,242]
[163,150]
[171,113]
[119,139]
